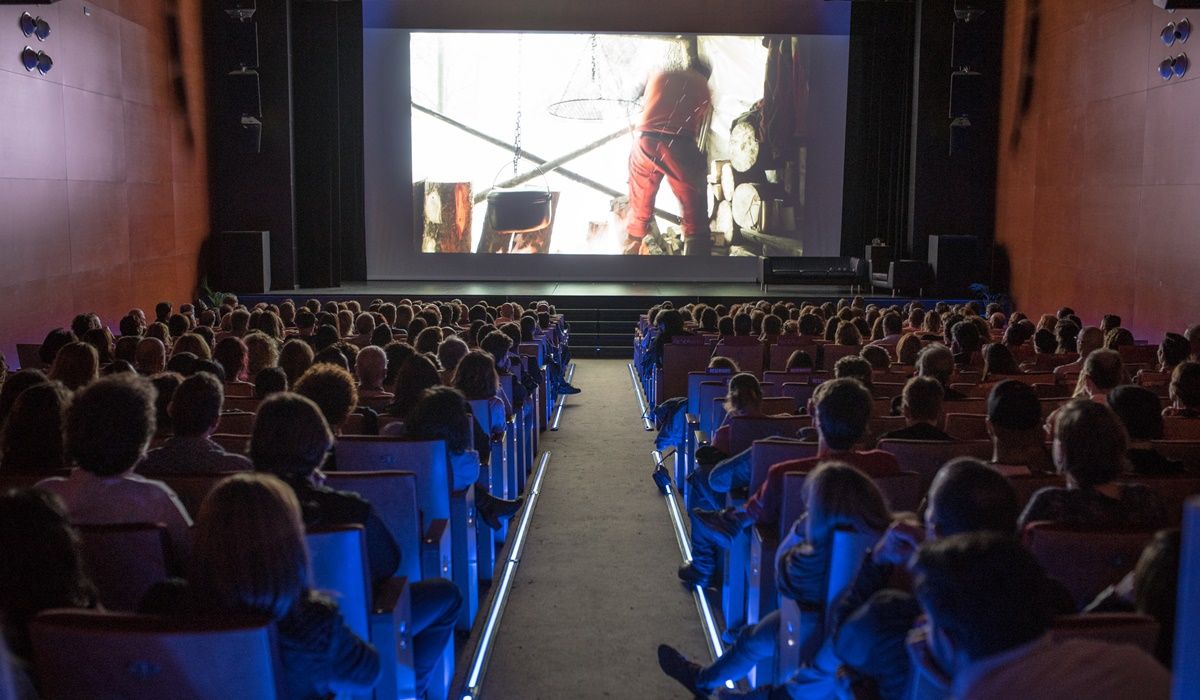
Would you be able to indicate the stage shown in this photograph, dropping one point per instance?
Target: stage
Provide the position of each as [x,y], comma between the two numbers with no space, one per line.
[602,314]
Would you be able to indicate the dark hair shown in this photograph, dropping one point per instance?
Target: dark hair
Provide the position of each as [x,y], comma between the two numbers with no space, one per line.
[966,334]
[922,398]
[14,385]
[1185,385]
[1092,442]
[162,310]
[998,360]
[118,367]
[183,363]
[32,437]
[417,374]
[441,413]
[876,355]
[799,359]
[969,496]
[1044,341]
[196,405]
[983,590]
[76,365]
[1014,405]
[231,353]
[843,409]
[41,563]
[109,423]
[476,376]
[397,352]
[1155,586]
[129,326]
[209,366]
[165,384]
[1174,349]
[333,389]
[854,367]
[270,380]
[291,436]
[1139,410]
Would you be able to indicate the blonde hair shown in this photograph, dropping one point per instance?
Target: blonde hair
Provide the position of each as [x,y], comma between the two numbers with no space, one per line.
[193,343]
[839,497]
[249,553]
[744,393]
[262,351]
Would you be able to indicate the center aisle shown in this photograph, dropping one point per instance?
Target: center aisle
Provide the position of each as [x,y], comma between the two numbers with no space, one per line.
[596,591]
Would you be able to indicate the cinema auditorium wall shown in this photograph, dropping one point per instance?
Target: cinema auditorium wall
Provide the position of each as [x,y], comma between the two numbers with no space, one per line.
[1097,204]
[103,182]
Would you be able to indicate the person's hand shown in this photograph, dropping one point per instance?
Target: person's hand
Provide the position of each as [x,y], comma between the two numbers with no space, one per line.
[898,544]
[497,436]
[925,665]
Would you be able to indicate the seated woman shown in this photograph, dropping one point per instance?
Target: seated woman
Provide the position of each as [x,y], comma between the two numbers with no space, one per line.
[417,374]
[1089,448]
[76,365]
[837,497]
[1172,351]
[250,557]
[443,414]
[41,567]
[1140,412]
[31,439]
[1184,392]
[799,360]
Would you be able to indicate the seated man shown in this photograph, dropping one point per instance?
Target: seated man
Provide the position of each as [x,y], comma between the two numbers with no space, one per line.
[921,406]
[195,411]
[986,640]
[1184,392]
[106,430]
[841,409]
[1014,423]
[935,361]
[371,368]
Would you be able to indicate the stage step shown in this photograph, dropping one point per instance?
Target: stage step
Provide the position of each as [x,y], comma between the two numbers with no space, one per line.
[602,333]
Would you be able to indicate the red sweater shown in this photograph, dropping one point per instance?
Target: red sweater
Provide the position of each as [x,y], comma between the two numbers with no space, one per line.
[765,504]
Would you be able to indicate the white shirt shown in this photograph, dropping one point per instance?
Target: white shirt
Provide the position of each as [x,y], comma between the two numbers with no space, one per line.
[122,499]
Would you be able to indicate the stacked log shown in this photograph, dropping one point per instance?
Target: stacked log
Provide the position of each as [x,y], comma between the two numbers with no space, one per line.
[447,226]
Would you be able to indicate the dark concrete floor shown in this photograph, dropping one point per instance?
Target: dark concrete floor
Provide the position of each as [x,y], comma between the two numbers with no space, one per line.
[596,591]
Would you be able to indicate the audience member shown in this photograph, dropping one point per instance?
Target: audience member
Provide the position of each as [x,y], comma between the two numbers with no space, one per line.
[150,357]
[1089,340]
[52,343]
[41,567]
[371,369]
[262,351]
[1140,412]
[987,640]
[250,557]
[1089,448]
[921,406]
[106,430]
[333,390]
[195,410]
[31,438]
[270,380]
[1184,392]
[1014,424]
[14,385]
[417,374]
[76,365]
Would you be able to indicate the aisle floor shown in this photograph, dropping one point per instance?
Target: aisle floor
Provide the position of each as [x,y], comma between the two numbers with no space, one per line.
[596,591]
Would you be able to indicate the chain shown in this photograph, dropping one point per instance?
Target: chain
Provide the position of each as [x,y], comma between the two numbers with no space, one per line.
[594,49]
[517,135]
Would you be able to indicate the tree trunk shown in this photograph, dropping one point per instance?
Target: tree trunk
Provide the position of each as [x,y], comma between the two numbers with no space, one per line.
[745,143]
[749,201]
[723,222]
[448,208]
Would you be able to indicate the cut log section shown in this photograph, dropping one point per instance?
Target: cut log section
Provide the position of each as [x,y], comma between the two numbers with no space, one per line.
[750,202]
[722,224]
[744,144]
[447,227]
[715,168]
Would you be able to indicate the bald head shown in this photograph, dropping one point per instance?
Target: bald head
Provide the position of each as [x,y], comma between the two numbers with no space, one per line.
[151,356]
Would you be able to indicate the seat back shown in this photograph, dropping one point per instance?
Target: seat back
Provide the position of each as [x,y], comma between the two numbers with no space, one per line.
[792,505]
[1084,560]
[681,356]
[192,488]
[1028,484]
[831,353]
[695,378]
[975,405]
[1173,491]
[764,453]
[1185,451]
[711,400]
[966,426]
[249,404]
[394,496]
[1181,428]
[338,556]
[845,557]
[237,443]
[124,561]
[902,491]
[800,392]
[1114,628]
[744,431]
[88,654]
[780,352]
[774,405]
[781,377]
[926,457]
[748,355]
[236,422]
[425,458]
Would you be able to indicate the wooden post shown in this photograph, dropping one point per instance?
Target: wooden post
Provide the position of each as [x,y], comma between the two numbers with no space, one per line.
[447,218]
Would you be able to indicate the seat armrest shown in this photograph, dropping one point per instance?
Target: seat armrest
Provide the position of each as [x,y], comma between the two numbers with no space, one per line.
[692,420]
[435,550]
[701,438]
[391,635]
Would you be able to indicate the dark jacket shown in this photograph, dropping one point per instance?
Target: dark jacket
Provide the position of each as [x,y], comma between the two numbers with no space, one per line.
[323,506]
[918,431]
[320,654]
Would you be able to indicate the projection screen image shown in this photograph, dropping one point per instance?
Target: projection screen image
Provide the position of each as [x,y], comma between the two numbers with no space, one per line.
[606,144]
